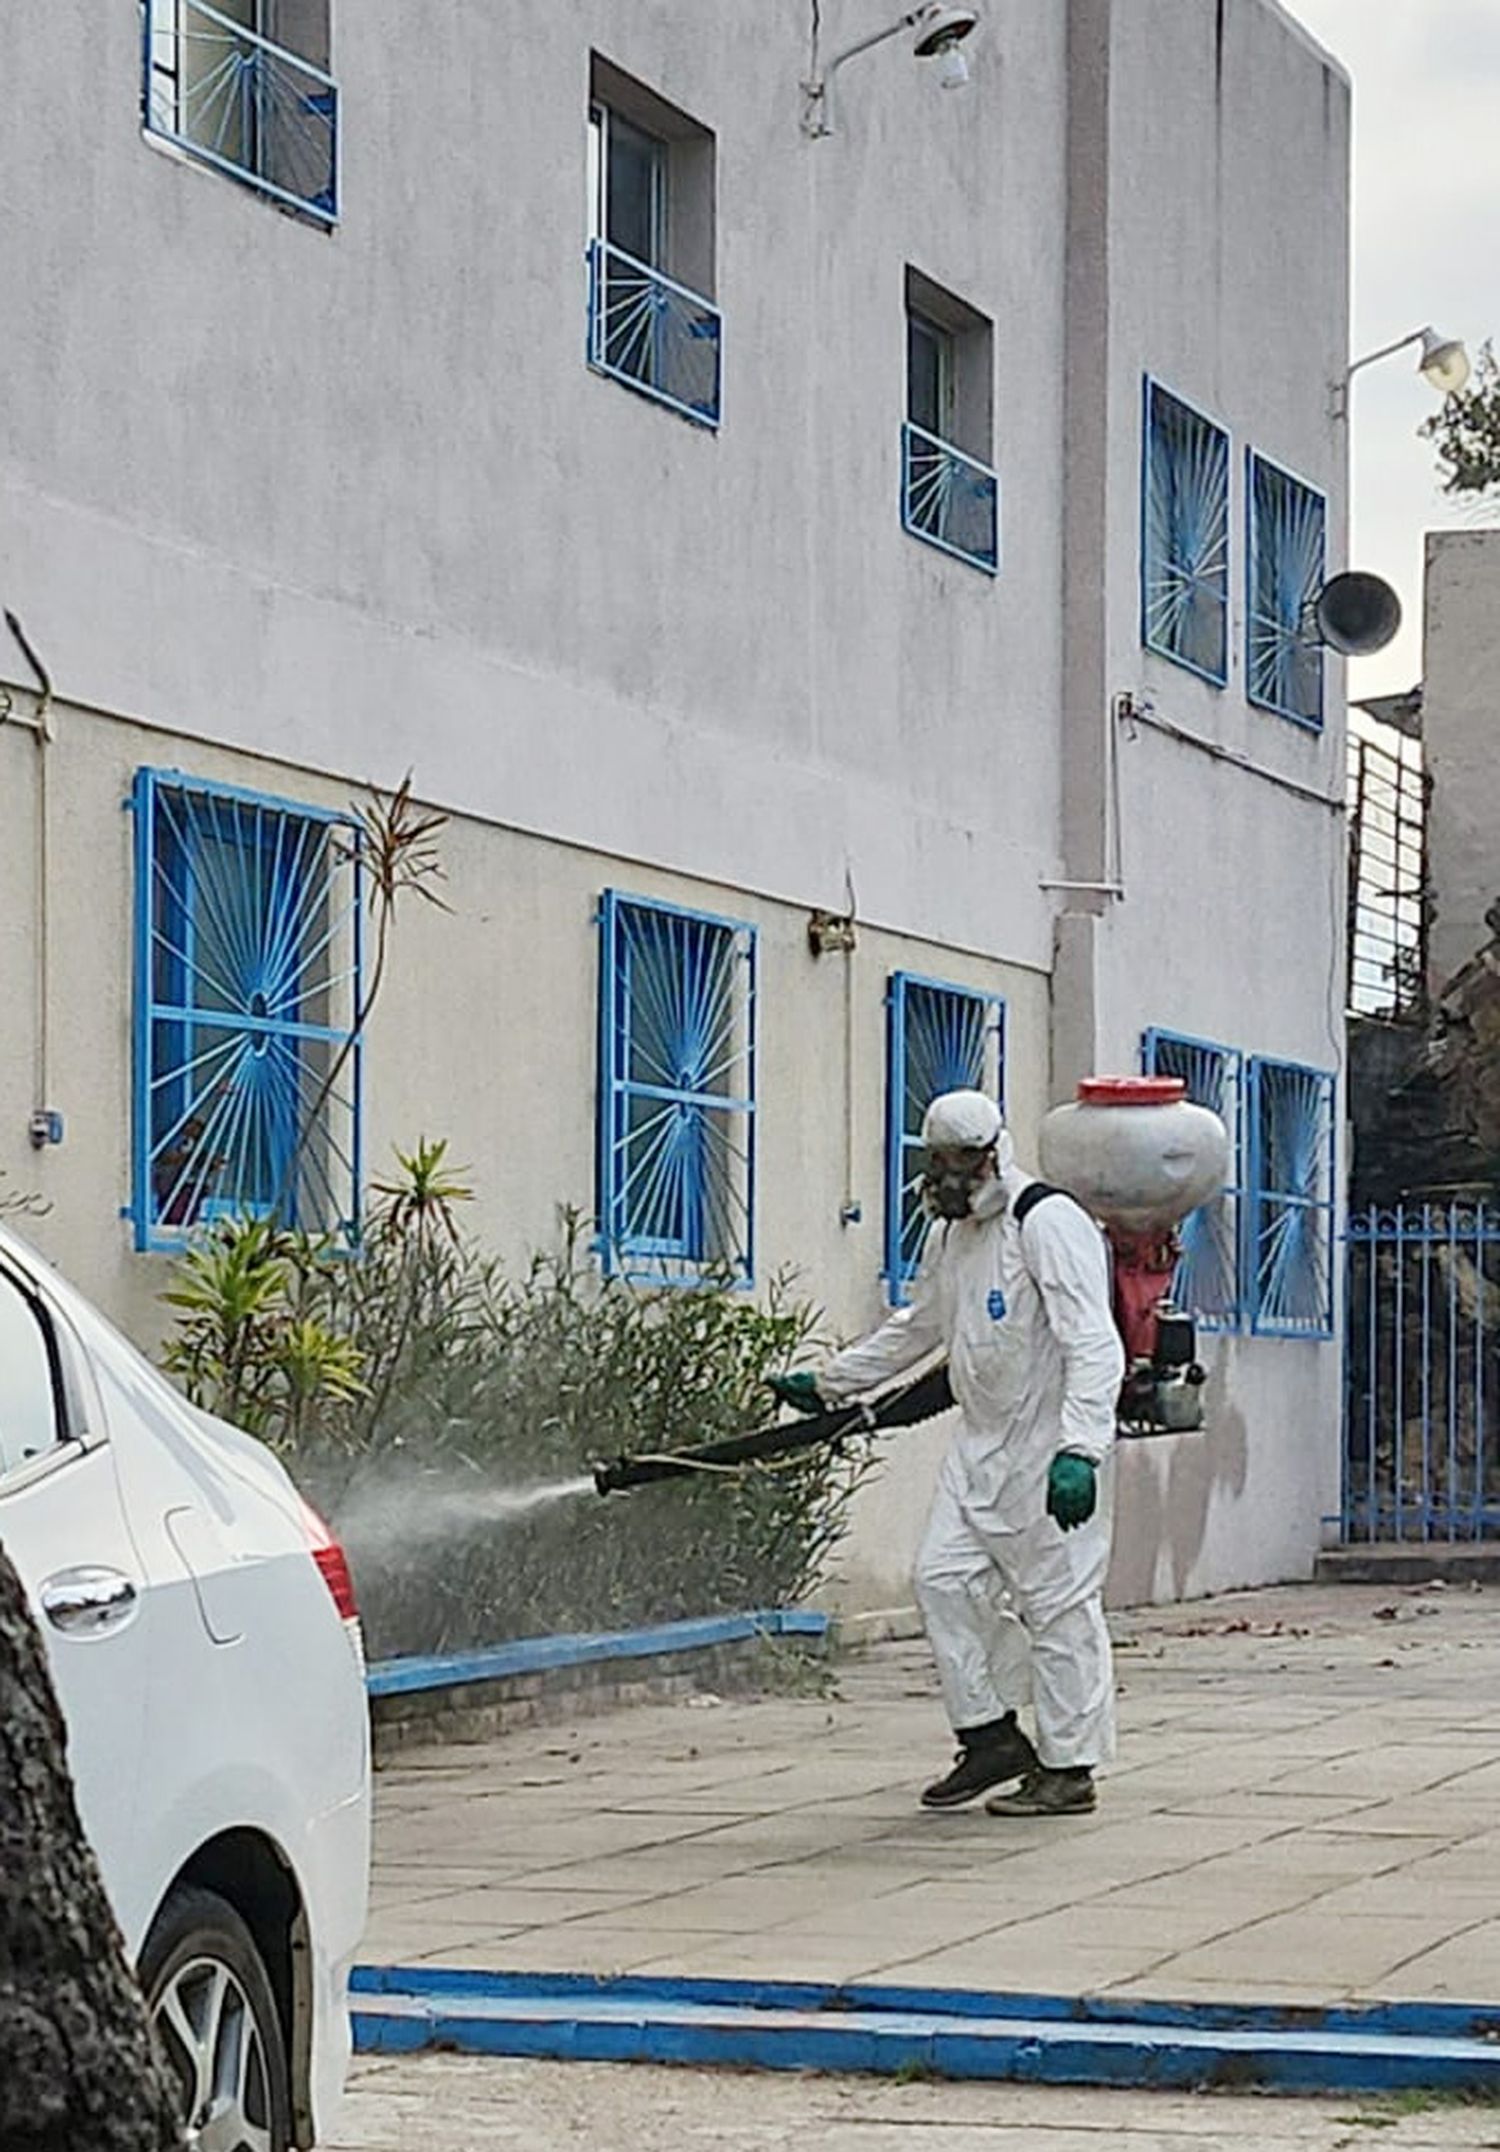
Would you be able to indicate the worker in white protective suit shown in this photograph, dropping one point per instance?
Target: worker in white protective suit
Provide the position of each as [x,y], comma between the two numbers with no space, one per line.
[1010,1573]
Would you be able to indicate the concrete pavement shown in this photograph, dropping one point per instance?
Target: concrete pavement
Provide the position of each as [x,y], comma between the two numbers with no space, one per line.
[1305,1809]
[448,2103]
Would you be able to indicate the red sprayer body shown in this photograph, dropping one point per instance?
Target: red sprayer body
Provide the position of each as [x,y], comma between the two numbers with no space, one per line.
[1140,1157]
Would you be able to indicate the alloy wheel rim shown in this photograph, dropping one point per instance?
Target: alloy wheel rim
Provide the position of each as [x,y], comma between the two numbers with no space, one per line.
[217,2055]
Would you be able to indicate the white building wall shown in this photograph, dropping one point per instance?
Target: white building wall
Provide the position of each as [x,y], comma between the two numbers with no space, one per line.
[1225,278]
[305,511]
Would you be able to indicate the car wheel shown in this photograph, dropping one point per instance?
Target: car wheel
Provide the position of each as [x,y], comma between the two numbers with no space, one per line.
[215,2016]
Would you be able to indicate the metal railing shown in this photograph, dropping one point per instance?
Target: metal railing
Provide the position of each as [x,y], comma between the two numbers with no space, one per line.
[654,334]
[230,98]
[1422,1373]
[1388,905]
[949,499]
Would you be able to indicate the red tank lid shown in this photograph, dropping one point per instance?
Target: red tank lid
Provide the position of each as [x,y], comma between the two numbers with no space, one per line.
[1131,1090]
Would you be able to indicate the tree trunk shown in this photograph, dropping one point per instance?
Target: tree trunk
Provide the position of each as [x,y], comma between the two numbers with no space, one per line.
[78,2068]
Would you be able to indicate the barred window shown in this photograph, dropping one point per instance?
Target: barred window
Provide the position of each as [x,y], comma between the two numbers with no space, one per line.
[938,1038]
[1185,536]
[1210,1277]
[676,1116]
[247,976]
[1284,573]
[1289,1242]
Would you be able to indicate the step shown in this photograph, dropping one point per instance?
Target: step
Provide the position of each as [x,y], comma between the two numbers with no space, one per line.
[950,2033]
[1393,1561]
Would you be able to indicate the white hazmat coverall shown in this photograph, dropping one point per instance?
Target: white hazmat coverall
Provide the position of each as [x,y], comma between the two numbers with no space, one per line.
[1036,1364]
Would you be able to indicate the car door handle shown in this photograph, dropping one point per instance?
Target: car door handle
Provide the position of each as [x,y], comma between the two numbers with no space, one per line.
[89,1601]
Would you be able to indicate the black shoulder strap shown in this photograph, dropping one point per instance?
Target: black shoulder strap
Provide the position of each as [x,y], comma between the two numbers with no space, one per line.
[1033,1193]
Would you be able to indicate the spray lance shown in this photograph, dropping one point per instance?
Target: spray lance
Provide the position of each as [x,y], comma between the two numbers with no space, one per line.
[923,1399]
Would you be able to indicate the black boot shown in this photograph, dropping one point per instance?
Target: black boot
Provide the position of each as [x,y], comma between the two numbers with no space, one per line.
[988,1755]
[1045,1792]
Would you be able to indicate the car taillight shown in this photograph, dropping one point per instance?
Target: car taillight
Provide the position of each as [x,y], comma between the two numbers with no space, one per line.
[333,1564]
[333,1567]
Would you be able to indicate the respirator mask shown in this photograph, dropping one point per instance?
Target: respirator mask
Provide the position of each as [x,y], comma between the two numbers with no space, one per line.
[952,1179]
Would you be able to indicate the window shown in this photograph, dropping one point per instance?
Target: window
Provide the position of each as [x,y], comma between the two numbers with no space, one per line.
[247,1064]
[938,1038]
[244,86]
[1185,536]
[1289,1241]
[676,1167]
[652,321]
[1284,573]
[1208,1281]
[950,495]
[28,1395]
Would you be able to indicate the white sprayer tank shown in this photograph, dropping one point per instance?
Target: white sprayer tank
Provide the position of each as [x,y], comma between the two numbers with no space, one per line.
[1135,1152]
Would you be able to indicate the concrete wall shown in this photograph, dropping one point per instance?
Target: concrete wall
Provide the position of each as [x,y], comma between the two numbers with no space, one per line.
[309,510]
[1221,272]
[1460,710]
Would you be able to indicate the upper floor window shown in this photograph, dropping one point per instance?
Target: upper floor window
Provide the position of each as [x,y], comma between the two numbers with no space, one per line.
[1289,1242]
[950,495]
[1209,1280]
[1284,573]
[247,980]
[652,321]
[1185,536]
[243,85]
[938,1038]
[676,1099]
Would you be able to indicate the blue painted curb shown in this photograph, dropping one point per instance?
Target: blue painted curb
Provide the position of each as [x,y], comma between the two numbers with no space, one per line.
[540,1654]
[954,2033]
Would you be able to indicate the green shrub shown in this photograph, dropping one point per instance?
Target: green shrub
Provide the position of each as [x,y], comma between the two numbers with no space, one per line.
[422,1397]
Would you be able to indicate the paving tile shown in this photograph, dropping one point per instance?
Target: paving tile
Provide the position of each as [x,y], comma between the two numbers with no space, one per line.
[1353,1951]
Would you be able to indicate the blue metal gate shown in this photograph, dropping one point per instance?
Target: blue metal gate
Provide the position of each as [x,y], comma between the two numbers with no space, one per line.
[1422,1373]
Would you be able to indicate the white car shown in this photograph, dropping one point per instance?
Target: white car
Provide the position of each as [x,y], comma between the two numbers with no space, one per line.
[206,1651]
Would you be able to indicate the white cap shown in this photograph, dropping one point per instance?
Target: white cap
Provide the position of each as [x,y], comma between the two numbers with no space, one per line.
[961,1121]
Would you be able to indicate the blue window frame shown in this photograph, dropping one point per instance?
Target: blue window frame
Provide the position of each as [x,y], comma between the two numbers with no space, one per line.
[248,961]
[938,1038]
[1209,1280]
[676,1118]
[1289,1241]
[1286,528]
[1185,535]
[645,329]
[217,88]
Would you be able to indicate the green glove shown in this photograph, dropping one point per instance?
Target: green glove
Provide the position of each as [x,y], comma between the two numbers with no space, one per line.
[800,1391]
[1072,1490]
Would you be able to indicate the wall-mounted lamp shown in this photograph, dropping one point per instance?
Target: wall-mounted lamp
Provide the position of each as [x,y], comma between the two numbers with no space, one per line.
[940,35]
[1443,365]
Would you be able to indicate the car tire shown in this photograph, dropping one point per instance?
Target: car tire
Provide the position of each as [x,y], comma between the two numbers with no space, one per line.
[211,2004]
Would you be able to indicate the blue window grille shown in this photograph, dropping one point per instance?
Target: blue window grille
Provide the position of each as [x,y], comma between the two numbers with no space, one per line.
[1284,573]
[1209,1277]
[1289,1238]
[949,499]
[247,979]
[938,1038]
[653,334]
[676,1152]
[1185,536]
[217,89]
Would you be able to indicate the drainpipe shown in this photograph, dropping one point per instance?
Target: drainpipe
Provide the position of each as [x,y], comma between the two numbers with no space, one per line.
[45,1125]
[1089,882]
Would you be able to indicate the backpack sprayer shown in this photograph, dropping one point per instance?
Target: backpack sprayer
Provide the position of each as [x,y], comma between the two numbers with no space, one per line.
[1139,1158]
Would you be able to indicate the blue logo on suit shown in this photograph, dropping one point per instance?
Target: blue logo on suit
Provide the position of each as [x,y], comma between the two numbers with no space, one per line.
[996,1304]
